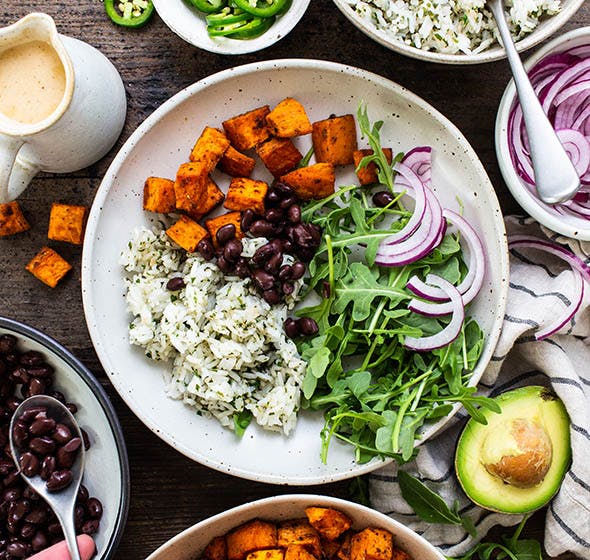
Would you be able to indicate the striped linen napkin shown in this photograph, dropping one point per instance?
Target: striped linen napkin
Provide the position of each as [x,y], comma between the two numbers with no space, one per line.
[540,289]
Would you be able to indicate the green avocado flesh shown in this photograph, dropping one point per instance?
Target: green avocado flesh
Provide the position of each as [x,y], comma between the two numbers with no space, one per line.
[484,444]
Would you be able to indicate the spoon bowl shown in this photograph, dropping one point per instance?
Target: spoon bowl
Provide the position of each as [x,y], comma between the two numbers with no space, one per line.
[62,501]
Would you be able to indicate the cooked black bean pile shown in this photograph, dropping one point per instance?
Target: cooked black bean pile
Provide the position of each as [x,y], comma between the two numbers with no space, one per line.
[27,525]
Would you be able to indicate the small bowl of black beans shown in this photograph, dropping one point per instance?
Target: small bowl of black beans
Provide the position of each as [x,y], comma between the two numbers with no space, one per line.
[31,363]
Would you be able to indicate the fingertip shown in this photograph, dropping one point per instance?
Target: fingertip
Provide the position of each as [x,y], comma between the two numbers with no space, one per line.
[86,546]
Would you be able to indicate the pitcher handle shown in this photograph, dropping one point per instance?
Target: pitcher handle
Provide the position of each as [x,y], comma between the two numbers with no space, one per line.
[9,147]
[23,172]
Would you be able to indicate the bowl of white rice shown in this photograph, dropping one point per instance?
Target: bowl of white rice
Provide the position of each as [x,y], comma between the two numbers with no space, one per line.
[455,31]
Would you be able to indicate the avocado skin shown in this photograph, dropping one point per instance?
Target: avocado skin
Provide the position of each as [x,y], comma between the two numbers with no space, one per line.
[535,403]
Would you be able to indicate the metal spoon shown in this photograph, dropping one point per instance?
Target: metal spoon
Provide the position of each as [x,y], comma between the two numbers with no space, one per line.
[63,502]
[556,178]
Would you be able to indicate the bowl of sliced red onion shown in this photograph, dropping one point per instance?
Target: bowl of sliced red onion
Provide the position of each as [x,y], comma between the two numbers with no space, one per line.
[560,74]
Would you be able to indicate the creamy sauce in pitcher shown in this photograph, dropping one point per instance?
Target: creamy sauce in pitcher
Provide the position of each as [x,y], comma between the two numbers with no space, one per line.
[32,82]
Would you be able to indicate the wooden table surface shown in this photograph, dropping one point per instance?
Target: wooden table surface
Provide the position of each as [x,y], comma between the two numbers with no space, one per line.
[170,492]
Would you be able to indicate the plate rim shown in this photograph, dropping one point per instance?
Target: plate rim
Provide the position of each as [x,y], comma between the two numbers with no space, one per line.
[101,396]
[104,189]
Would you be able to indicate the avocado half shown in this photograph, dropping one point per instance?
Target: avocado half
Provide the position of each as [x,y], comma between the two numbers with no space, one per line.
[515,463]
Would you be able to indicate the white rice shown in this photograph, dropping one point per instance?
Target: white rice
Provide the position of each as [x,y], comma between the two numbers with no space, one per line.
[450,26]
[226,346]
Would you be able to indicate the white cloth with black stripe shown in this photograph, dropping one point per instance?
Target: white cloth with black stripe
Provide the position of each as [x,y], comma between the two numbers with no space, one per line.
[539,290]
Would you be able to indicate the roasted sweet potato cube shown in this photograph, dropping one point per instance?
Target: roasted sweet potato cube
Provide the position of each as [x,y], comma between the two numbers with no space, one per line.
[158,195]
[213,197]
[329,523]
[12,220]
[398,554]
[279,155]
[368,175]
[344,550]
[48,266]
[215,550]
[186,233]
[251,536]
[249,129]
[214,224]
[209,148]
[298,552]
[244,194]
[190,186]
[371,544]
[288,119]
[267,554]
[299,531]
[315,181]
[334,140]
[330,548]
[236,163]
[67,223]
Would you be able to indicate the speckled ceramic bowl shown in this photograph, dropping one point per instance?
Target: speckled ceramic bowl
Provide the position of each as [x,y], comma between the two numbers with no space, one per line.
[544,30]
[190,543]
[106,473]
[163,142]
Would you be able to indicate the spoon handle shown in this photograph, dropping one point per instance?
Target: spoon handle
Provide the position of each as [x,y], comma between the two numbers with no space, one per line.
[556,178]
[67,525]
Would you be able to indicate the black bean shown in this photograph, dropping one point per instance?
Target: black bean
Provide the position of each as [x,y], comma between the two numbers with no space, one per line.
[42,426]
[285,272]
[6,389]
[31,358]
[297,270]
[382,199]
[13,403]
[30,494]
[242,268]
[17,549]
[288,246]
[305,254]
[273,264]
[224,265]
[41,371]
[294,214]
[21,375]
[11,358]
[30,413]
[273,215]
[62,434]
[64,459]
[59,480]
[11,479]
[20,433]
[12,494]
[27,531]
[7,343]
[248,217]
[285,190]
[272,296]
[263,280]
[175,284]
[262,254]
[262,228]
[94,507]
[287,202]
[291,328]
[232,250]
[307,326]
[287,288]
[83,494]
[272,197]
[73,445]
[37,386]
[79,514]
[316,234]
[206,249]
[42,445]
[29,464]
[37,516]
[54,529]
[302,236]
[90,527]
[21,508]
[48,466]
[225,233]
[85,439]
[72,407]
[276,244]
[59,396]
[39,541]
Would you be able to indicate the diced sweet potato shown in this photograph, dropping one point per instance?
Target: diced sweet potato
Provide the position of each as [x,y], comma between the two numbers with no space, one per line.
[368,175]
[334,140]
[371,544]
[267,554]
[12,220]
[212,198]
[315,181]
[330,548]
[67,223]
[244,194]
[299,531]
[48,266]
[209,148]
[249,129]
[399,555]
[288,119]
[158,195]
[279,155]
[329,523]
[236,163]
[190,186]
[251,536]
[186,233]
[214,224]
[344,551]
[215,550]
[298,552]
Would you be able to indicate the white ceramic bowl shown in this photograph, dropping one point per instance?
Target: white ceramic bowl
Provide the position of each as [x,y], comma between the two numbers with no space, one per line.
[106,473]
[189,544]
[570,226]
[544,30]
[189,24]
[162,143]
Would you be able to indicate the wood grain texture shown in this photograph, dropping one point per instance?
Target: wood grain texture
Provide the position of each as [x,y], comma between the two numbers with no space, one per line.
[170,492]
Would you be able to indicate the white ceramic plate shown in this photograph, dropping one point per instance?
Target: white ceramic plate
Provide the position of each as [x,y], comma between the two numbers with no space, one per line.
[545,29]
[190,543]
[163,142]
[106,471]
[191,26]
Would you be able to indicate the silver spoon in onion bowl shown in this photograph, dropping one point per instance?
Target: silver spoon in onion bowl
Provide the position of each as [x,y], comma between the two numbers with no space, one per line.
[556,179]
[43,427]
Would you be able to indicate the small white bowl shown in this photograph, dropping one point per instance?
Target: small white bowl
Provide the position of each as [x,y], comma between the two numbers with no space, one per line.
[570,226]
[189,24]
[545,29]
[190,543]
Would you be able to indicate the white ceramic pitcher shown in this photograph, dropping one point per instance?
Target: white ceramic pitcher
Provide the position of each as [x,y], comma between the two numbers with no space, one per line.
[81,129]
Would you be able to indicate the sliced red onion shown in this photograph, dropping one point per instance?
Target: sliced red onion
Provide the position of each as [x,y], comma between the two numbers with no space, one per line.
[577,148]
[451,331]
[419,160]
